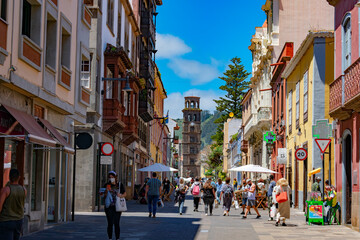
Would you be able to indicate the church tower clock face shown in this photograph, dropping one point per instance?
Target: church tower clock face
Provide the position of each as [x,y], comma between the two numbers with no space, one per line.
[191,136]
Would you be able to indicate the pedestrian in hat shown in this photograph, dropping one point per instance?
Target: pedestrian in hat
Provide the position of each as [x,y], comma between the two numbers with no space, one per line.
[113,189]
[284,207]
[315,187]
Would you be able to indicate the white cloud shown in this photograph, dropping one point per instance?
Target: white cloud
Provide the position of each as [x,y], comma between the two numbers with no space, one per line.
[170,46]
[175,102]
[197,72]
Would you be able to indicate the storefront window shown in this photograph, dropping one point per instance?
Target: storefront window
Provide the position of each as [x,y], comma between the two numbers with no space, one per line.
[36,178]
[9,159]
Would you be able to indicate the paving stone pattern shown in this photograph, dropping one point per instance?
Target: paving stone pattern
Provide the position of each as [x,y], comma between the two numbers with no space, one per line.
[135,224]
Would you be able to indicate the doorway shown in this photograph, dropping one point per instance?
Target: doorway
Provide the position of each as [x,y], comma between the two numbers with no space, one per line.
[347,161]
[305,172]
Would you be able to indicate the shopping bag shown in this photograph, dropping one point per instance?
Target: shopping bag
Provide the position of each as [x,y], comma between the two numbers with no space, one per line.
[237,205]
[282,197]
[160,203]
[120,204]
[273,211]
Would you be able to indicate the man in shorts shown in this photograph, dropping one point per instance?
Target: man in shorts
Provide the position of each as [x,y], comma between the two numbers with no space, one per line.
[251,203]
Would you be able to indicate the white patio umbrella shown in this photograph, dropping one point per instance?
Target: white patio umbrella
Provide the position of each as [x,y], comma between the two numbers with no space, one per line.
[252,168]
[157,167]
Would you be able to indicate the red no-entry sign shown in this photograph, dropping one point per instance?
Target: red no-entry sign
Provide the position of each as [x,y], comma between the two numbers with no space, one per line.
[107,149]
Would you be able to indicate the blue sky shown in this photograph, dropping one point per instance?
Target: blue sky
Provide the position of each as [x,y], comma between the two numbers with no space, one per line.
[196,40]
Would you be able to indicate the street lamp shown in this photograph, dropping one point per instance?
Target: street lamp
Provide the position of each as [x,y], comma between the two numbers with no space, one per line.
[127,87]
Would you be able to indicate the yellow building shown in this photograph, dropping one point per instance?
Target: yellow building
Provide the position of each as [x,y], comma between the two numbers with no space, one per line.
[158,129]
[308,76]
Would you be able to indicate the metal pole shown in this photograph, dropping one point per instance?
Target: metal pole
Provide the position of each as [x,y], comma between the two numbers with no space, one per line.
[323,176]
[73,192]
[330,164]
[98,175]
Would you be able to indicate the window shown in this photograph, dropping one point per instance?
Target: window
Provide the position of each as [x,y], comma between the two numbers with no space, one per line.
[194,118]
[192,161]
[306,95]
[110,15]
[290,111]
[127,103]
[3,9]
[347,42]
[65,48]
[297,103]
[118,39]
[109,84]
[278,103]
[192,105]
[127,36]
[97,76]
[36,178]
[193,150]
[51,40]
[31,20]
[189,117]
[192,139]
[85,72]
[192,129]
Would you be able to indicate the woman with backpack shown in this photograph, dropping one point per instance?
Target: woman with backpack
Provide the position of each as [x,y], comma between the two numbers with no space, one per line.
[181,192]
[195,191]
[208,196]
[227,192]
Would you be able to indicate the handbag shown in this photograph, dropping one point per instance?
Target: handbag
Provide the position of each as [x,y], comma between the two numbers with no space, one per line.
[282,197]
[120,204]
[273,211]
[237,205]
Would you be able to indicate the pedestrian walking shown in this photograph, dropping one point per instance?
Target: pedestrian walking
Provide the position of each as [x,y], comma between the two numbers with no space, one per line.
[12,200]
[235,184]
[284,206]
[269,195]
[251,199]
[244,196]
[181,193]
[113,189]
[152,194]
[208,196]
[195,191]
[219,185]
[227,192]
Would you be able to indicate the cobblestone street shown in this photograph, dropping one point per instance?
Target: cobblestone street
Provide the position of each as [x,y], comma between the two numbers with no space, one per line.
[135,224]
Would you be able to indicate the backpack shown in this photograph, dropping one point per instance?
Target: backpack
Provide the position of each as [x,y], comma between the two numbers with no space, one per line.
[228,192]
[196,190]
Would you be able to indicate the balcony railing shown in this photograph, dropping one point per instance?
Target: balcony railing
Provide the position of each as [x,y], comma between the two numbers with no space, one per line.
[351,82]
[130,131]
[112,116]
[345,93]
[336,94]
[264,114]
[244,146]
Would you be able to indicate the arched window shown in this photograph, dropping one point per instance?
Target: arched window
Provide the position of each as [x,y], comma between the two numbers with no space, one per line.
[192,105]
[346,48]
[189,117]
[194,117]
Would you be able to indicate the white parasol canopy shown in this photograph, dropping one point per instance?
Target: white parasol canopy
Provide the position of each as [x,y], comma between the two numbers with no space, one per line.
[252,168]
[157,167]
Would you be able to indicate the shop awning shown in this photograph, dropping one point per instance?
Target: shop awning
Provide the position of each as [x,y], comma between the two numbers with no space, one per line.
[36,134]
[57,136]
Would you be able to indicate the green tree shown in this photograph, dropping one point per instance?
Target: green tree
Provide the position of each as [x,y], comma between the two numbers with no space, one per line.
[235,86]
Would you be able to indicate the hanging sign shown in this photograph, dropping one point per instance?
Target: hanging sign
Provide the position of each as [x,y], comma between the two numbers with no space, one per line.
[281,158]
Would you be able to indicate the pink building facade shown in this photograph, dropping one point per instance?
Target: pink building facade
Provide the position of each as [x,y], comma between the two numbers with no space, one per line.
[345,108]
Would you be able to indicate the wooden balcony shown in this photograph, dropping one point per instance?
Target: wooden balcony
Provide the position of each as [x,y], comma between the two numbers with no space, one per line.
[130,132]
[113,116]
[352,86]
[244,146]
[345,93]
[146,107]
